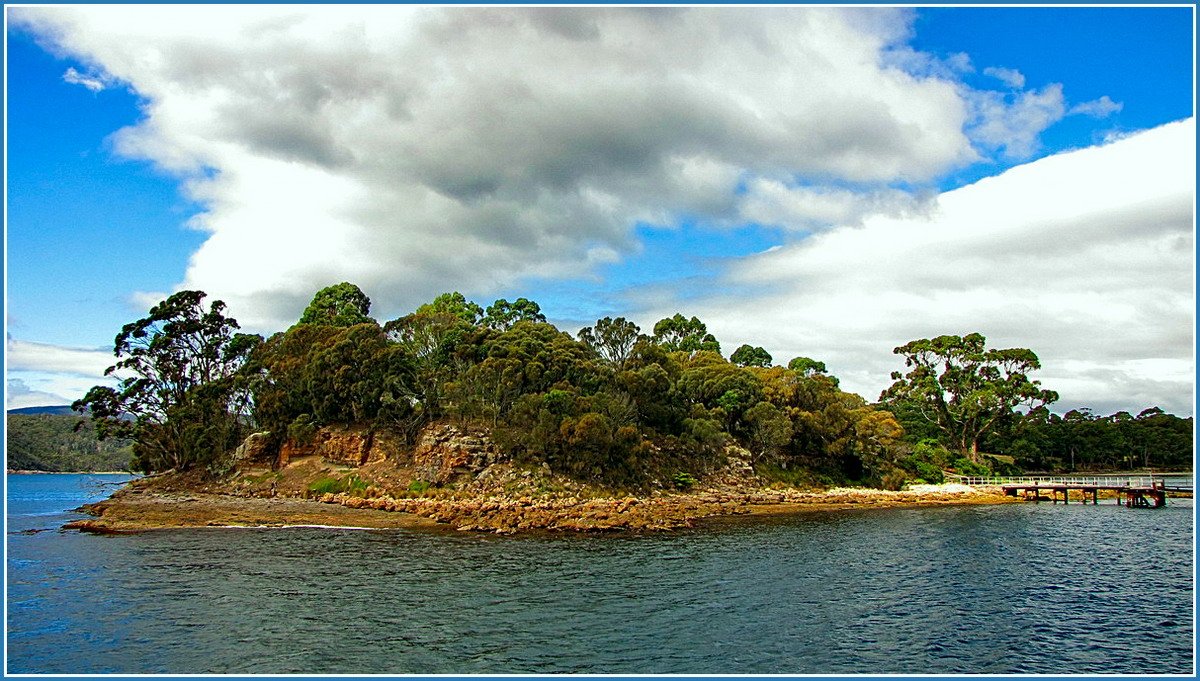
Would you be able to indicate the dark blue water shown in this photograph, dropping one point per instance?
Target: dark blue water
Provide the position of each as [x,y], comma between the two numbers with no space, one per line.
[1017,588]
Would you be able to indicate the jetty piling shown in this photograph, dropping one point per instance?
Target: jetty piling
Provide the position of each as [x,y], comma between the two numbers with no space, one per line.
[1130,492]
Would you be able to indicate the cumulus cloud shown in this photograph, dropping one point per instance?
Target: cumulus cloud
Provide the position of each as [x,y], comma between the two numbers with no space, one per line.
[414,149]
[1010,123]
[1085,257]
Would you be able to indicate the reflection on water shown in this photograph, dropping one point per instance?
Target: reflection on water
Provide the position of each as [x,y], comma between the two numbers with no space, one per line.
[997,589]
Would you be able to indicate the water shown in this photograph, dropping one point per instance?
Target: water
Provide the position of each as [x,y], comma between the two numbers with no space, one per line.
[1017,588]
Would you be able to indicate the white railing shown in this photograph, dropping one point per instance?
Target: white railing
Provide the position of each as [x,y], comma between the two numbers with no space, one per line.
[1083,480]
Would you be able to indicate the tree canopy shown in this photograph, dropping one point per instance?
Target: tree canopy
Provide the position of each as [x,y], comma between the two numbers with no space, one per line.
[611,406]
[964,388]
[181,400]
[342,304]
[679,333]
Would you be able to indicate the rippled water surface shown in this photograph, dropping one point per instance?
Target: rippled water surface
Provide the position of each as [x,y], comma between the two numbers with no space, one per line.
[1017,588]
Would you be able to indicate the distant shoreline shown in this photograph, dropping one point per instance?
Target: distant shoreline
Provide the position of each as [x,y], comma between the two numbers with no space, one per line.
[15,471]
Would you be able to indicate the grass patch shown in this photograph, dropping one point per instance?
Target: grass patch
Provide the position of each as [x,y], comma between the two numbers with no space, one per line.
[351,484]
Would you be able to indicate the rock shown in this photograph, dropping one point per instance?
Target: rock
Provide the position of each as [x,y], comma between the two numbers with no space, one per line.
[254,448]
[445,453]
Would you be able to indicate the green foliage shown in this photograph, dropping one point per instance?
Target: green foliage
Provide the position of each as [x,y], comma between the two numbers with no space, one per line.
[501,315]
[964,388]
[419,486]
[302,430]
[806,367]
[342,305]
[611,339]
[680,334]
[454,304]
[683,481]
[747,356]
[1080,440]
[964,466]
[62,443]
[184,402]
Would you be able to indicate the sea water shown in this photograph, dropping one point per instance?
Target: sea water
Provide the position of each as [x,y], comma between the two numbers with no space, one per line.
[1017,588]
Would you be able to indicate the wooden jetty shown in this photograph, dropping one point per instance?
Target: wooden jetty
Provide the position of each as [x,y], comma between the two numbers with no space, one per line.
[1133,492]
[1134,496]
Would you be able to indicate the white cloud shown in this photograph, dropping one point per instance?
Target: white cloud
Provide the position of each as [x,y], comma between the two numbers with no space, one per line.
[1011,123]
[41,374]
[18,394]
[809,208]
[1098,108]
[42,357]
[1010,77]
[1085,257]
[93,83]
[415,149]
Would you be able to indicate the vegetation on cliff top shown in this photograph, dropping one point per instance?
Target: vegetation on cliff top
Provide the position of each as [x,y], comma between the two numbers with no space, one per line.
[612,405]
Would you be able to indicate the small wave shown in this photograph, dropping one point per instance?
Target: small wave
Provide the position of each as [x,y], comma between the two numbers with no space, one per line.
[291,527]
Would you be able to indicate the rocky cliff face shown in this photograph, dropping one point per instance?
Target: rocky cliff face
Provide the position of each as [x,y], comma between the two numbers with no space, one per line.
[445,452]
[345,445]
[441,454]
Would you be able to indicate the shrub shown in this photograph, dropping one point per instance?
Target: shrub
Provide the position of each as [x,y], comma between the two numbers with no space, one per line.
[965,466]
[930,473]
[419,486]
[683,481]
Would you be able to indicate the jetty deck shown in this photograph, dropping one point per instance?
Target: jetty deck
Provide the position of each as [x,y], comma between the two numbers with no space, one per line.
[1133,492]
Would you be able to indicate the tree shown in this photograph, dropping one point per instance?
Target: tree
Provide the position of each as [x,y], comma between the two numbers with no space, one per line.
[342,305]
[806,367]
[965,388]
[455,304]
[182,402]
[501,315]
[747,356]
[612,339]
[679,333]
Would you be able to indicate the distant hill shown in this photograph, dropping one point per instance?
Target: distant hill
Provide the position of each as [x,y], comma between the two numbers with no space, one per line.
[48,441]
[64,409]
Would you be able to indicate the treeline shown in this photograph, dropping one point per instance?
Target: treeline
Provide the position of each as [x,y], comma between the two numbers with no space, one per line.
[57,443]
[612,404]
[1081,440]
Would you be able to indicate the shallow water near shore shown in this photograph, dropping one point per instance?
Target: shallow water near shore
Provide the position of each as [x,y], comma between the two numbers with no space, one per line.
[1017,588]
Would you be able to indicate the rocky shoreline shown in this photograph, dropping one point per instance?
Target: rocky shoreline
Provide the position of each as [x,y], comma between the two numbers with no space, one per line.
[137,509]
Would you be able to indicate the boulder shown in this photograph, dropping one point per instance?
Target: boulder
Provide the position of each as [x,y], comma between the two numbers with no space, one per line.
[253,449]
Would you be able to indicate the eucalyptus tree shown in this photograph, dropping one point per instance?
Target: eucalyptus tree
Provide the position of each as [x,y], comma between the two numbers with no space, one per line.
[611,339]
[679,333]
[750,356]
[180,398]
[342,305]
[965,388]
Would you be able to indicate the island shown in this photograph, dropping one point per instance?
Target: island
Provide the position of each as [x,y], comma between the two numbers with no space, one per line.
[495,420]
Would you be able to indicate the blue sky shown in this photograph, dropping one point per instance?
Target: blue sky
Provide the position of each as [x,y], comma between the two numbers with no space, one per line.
[658,203]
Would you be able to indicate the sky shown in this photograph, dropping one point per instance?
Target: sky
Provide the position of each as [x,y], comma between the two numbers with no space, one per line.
[826,182]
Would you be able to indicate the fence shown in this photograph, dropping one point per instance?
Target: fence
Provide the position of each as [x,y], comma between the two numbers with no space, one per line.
[1097,481]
